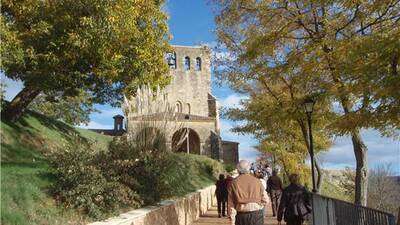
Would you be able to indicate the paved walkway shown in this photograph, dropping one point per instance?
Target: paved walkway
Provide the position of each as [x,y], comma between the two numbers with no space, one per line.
[211,218]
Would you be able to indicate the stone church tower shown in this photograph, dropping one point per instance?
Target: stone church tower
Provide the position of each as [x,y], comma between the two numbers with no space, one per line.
[194,107]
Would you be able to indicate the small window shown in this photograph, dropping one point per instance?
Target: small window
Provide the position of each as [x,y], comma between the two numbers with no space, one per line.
[178,107]
[198,63]
[171,60]
[187,63]
[188,108]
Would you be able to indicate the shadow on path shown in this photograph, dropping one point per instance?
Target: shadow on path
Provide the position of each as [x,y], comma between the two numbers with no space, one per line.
[211,218]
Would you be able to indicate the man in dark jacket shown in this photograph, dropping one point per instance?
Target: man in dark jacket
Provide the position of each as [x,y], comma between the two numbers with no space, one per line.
[274,188]
[221,192]
[295,203]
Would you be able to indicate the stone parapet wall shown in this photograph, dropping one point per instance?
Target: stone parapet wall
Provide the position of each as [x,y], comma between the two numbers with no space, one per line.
[183,211]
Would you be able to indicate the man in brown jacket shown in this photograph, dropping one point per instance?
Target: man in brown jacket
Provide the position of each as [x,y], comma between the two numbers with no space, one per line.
[246,195]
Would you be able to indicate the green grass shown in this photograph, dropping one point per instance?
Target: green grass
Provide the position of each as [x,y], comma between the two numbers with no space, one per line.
[192,172]
[25,173]
[26,177]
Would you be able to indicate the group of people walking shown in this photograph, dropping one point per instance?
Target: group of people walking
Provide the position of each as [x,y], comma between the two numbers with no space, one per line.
[243,198]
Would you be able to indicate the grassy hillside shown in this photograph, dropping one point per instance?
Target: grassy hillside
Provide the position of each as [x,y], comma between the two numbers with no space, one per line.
[25,176]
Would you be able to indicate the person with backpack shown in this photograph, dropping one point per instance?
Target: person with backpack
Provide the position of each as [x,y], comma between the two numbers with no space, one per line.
[295,203]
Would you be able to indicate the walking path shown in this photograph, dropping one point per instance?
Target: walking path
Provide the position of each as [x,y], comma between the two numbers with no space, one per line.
[211,218]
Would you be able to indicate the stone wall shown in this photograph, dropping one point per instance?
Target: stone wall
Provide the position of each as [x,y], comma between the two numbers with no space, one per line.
[183,211]
[230,151]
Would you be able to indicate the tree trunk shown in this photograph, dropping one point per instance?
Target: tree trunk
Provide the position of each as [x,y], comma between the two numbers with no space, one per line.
[360,152]
[361,182]
[319,175]
[17,106]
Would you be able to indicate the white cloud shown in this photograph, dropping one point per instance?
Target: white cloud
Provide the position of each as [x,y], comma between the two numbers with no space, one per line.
[95,125]
[107,111]
[225,127]
[249,154]
[232,101]
[211,44]
[380,150]
[340,155]
[246,142]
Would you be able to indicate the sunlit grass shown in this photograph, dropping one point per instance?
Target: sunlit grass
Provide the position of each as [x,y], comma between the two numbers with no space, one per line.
[25,174]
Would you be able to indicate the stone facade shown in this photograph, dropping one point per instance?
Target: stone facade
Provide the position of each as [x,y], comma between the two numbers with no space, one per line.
[190,87]
[230,151]
[191,107]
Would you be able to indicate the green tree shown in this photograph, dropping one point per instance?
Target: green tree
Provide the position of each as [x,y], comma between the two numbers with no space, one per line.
[73,110]
[104,48]
[275,115]
[289,159]
[347,49]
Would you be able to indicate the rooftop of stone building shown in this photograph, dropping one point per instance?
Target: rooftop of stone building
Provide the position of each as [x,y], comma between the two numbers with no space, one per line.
[192,46]
[230,142]
[172,116]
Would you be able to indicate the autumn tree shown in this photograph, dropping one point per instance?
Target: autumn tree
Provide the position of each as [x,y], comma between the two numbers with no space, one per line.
[274,113]
[104,48]
[348,50]
[73,110]
[288,159]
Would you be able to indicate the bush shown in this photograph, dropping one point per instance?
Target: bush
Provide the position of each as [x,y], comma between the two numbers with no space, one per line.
[130,174]
[182,173]
[158,175]
[83,184]
[229,168]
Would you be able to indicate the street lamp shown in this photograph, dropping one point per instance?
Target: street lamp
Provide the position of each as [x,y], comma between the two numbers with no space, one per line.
[309,107]
[187,117]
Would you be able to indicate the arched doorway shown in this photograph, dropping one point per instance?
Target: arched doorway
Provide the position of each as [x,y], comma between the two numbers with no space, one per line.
[180,141]
[151,138]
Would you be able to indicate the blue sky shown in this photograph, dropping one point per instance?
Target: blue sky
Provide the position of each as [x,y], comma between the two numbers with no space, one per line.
[192,23]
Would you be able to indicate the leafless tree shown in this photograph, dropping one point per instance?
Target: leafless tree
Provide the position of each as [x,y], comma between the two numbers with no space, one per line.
[384,189]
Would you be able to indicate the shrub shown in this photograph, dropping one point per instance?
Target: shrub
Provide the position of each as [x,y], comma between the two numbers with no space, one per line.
[132,173]
[158,175]
[81,183]
[229,167]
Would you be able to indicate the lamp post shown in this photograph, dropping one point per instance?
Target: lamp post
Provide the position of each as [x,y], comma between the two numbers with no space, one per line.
[309,107]
[187,117]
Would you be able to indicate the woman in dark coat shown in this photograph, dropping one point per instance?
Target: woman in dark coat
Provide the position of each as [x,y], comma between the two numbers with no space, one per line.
[295,203]
[221,192]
